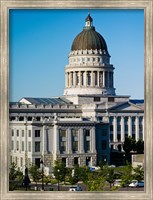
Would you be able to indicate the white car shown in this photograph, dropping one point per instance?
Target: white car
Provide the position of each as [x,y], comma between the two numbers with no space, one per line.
[117,183]
[75,188]
[135,183]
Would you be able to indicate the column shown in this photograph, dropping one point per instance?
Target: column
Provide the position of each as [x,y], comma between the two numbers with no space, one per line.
[93,140]
[104,79]
[130,126]
[122,129]
[115,129]
[98,78]
[137,128]
[69,141]
[74,78]
[68,79]
[92,81]
[79,74]
[81,141]
[143,128]
[56,139]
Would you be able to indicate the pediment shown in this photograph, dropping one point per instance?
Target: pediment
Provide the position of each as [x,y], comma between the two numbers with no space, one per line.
[127,106]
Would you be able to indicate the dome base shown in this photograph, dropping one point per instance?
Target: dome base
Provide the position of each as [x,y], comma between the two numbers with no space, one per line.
[91,91]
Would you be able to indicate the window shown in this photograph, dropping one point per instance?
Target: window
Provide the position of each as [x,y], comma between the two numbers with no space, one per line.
[22,133]
[64,161]
[62,133]
[37,146]
[76,161]
[75,146]
[29,146]
[94,59]
[17,145]
[87,146]
[12,132]
[37,133]
[104,144]
[29,133]
[12,145]
[96,99]
[75,132]
[63,146]
[87,132]
[37,162]
[110,99]
[21,161]
[21,118]
[17,133]
[22,145]
[29,118]
[88,59]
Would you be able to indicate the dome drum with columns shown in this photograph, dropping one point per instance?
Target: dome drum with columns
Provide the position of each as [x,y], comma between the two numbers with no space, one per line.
[89,70]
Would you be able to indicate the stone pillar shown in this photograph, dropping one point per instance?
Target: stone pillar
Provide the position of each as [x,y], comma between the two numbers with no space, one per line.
[56,142]
[69,141]
[137,128]
[122,129]
[104,79]
[143,128]
[74,79]
[92,82]
[98,84]
[130,126]
[81,141]
[93,140]
[115,129]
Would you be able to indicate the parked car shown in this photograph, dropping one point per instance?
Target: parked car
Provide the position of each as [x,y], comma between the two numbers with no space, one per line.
[117,183]
[75,188]
[135,183]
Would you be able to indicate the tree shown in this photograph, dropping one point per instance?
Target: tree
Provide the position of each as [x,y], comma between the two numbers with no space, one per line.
[59,170]
[95,182]
[138,173]
[35,173]
[140,146]
[128,145]
[109,174]
[126,174]
[15,176]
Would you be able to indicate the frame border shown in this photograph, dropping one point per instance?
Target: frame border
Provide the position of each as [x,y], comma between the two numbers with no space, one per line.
[147,6]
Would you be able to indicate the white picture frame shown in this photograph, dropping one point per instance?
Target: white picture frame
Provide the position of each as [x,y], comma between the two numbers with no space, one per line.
[147,5]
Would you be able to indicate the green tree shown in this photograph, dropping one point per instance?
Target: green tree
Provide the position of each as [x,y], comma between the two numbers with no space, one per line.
[35,173]
[140,146]
[138,173]
[126,174]
[95,182]
[59,170]
[109,174]
[15,176]
[128,145]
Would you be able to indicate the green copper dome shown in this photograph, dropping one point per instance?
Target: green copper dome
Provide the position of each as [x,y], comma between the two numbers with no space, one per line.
[89,38]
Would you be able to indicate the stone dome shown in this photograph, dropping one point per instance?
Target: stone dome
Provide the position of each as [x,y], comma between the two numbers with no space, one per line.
[89,38]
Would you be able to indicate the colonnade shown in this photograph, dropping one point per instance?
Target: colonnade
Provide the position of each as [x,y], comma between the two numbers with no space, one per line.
[89,78]
[129,126]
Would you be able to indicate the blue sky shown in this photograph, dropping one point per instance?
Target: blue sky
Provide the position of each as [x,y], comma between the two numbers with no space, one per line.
[40,41]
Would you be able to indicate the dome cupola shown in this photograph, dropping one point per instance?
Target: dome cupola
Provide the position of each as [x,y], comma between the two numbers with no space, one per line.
[89,71]
[89,38]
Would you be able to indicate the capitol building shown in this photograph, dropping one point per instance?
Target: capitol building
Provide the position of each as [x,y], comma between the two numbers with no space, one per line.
[87,122]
